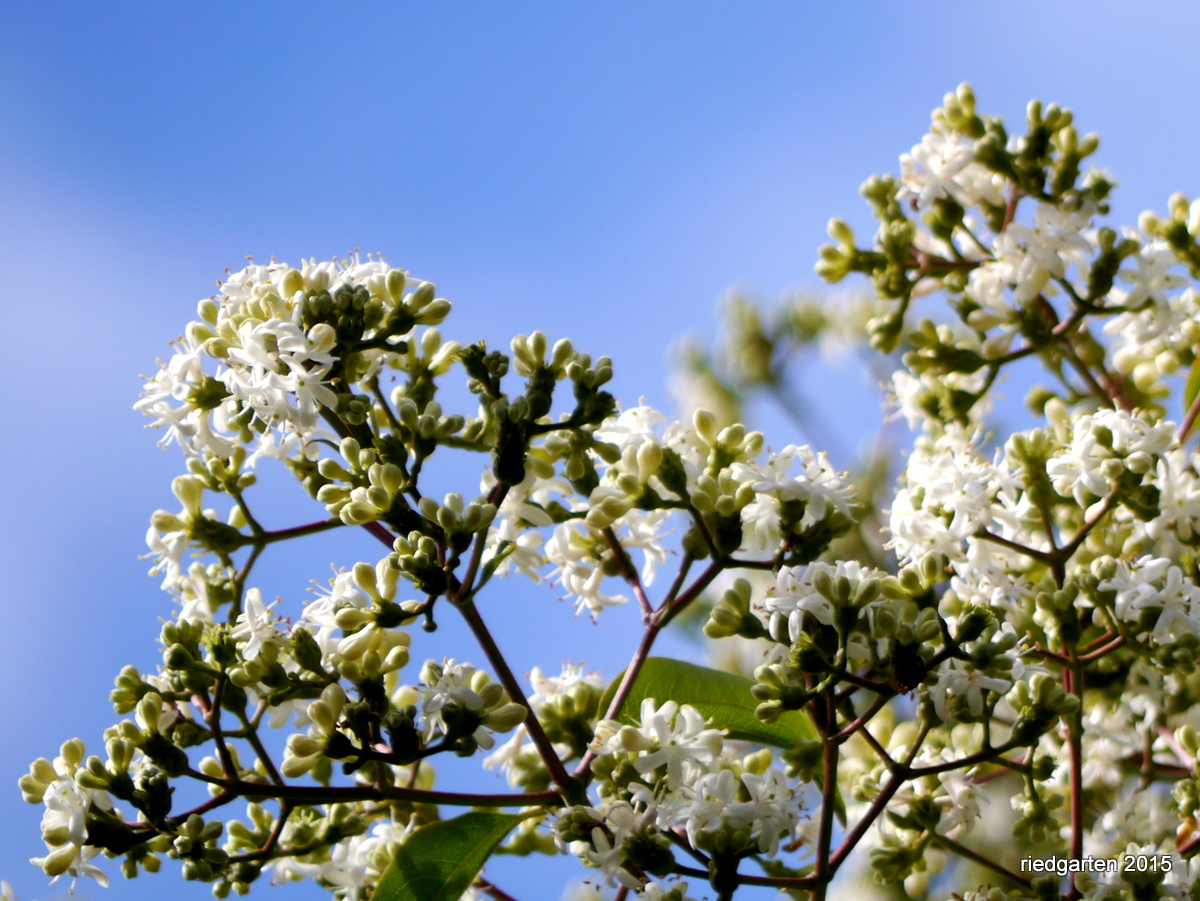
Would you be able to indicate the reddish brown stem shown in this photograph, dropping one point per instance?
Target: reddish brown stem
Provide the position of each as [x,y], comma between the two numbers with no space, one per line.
[380,532]
[311,528]
[1012,545]
[628,572]
[1101,651]
[320,794]
[583,771]
[495,891]
[1073,676]
[1189,418]
[862,720]
[505,675]
[962,851]
[821,868]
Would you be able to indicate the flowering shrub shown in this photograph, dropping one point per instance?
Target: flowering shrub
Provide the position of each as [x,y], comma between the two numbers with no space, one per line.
[1012,675]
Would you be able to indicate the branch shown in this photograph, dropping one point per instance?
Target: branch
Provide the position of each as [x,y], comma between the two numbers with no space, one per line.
[496,498]
[1069,549]
[509,681]
[987,755]
[628,572]
[311,528]
[1010,210]
[492,889]
[320,794]
[954,847]
[895,780]
[212,716]
[1073,677]
[1014,546]
[380,532]
[583,771]
[1190,418]
[257,745]
[1101,394]
[821,869]
[677,606]
[1104,649]
[862,719]
[899,774]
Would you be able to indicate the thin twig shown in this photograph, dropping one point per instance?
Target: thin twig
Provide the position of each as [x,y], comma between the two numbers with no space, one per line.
[495,891]
[951,845]
[312,528]
[821,869]
[628,572]
[536,733]
[1014,546]
[583,770]
[1190,418]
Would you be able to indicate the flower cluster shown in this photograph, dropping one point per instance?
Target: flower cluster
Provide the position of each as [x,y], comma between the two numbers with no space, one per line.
[995,654]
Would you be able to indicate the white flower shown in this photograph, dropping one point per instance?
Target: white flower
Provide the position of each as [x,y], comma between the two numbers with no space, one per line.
[772,811]
[1150,279]
[949,495]
[167,549]
[761,523]
[708,797]
[669,735]
[677,737]
[254,624]
[793,596]
[507,755]
[821,487]
[632,427]
[64,827]
[962,680]
[462,685]
[1035,254]
[263,361]
[545,688]
[573,552]
[1156,584]
[943,165]
[960,803]
[181,379]
[655,892]
[608,858]
[643,529]
[1101,442]
[524,554]
[321,612]
[1179,499]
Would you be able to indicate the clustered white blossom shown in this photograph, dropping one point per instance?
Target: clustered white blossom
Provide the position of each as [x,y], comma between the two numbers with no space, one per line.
[1009,669]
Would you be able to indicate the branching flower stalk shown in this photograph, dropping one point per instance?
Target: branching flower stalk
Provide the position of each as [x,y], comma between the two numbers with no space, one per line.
[1018,627]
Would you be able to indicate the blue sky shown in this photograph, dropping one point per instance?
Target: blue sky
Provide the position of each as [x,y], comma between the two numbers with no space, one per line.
[603,171]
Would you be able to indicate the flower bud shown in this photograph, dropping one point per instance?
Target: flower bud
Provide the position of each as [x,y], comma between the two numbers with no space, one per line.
[56,862]
[705,424]
[190,492]
[72,752]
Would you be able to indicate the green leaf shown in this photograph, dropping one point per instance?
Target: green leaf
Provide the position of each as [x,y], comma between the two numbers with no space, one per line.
[440,860]
[724,698]
[1190,390]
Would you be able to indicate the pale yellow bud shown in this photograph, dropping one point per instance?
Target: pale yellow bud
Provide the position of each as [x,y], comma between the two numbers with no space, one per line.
[58,861]
[705,424]
[291,282]
[504,718]
[395,285]
[364,578]
[190,492]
